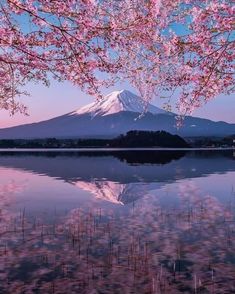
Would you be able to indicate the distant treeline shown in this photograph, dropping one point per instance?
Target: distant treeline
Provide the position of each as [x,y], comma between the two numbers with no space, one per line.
[53,143]
[149,139]
[228,141]
[131,139]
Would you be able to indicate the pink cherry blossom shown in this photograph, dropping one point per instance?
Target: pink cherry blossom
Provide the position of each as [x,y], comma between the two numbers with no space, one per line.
[158,46]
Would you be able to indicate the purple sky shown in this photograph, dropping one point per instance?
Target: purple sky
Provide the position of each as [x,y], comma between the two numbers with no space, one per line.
[61,98]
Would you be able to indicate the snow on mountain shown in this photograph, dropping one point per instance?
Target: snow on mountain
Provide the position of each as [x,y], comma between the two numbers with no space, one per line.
[103,190]
[114,192]
[118,101]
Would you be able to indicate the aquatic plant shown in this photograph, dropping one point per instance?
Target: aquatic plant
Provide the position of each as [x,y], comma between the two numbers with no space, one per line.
[146,247]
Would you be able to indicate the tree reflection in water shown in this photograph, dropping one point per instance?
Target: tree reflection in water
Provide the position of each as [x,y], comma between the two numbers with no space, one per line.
[188,248]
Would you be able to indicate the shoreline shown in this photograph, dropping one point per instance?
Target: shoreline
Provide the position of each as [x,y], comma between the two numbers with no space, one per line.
[112,149]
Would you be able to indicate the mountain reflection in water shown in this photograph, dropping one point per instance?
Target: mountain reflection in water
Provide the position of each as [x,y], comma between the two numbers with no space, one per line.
[121,176]
[172,235]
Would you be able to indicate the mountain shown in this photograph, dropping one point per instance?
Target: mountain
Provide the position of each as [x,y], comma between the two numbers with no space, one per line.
[116,102]
[117,113]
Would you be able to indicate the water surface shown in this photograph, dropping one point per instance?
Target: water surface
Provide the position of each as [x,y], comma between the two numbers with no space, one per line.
[117,222]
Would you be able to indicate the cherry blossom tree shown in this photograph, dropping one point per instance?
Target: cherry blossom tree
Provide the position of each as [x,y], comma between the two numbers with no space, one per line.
[160,47]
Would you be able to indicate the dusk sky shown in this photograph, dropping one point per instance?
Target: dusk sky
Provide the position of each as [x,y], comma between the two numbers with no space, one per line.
[61,98]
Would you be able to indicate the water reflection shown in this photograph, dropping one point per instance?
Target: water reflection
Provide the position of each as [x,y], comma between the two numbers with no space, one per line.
[183,245]
[120,177]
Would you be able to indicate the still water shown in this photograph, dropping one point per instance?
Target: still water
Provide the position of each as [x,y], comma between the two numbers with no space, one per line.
[117,222]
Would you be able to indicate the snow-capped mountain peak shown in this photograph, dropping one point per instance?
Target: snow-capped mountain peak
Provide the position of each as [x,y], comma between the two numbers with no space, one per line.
[116,114]
[103,190]
[118,101]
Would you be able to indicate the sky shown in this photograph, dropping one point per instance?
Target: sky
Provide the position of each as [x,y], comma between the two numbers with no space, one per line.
[61,98]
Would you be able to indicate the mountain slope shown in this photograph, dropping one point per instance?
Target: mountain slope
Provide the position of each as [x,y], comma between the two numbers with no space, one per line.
[116,114]
[116,102]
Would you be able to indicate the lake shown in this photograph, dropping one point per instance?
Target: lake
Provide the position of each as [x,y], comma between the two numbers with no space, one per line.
[118,221]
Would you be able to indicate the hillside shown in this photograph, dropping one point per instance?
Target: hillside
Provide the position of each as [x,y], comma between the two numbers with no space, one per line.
[149,139]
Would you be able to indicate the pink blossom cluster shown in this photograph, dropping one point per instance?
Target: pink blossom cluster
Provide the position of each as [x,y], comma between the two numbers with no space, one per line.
[96,43]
